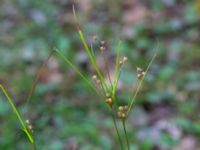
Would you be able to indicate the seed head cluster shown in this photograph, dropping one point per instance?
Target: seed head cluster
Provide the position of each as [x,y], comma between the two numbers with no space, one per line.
[29,126]
[109,99]
[122,112]
[102,46]
[123,61]
[140,73]
[96,79]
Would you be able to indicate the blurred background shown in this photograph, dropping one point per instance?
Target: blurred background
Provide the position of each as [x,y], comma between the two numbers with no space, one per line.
[65,113]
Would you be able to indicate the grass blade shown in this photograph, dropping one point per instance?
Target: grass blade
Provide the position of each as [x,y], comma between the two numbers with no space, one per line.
[30,137]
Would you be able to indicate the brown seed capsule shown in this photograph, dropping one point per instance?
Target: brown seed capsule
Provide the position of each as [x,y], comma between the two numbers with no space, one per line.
[27,122]
[94,37]
[140,73]
[125,59]
[102,48]
[102,42]
[123,115]
[94,77]
[119,114]
[30,127]
[139,70]
[109,101]
[139,76]
[120,62]
[125,107]
[120,108]
[98,82]
[107,94]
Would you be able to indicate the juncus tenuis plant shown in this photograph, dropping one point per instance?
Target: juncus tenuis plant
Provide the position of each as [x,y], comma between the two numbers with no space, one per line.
[107,91]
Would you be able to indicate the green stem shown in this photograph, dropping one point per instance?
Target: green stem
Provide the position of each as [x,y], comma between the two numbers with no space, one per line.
[124,127]
[117,130]
[107,70]
[34,146]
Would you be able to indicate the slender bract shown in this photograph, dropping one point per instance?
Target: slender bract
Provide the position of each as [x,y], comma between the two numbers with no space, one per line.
[76,70]
[24,128]
[92,60]
[132,99]
[37,77]
[117,67]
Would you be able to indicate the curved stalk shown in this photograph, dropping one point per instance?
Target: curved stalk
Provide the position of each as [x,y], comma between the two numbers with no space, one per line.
[24,128]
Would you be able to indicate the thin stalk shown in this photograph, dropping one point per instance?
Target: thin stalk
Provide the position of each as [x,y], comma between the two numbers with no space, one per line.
[124,127]
[117,67]
[92,50]
[118,77]
[103,90]
[37,77]
[114,96]
[116,128]
[107,69]
[133,88]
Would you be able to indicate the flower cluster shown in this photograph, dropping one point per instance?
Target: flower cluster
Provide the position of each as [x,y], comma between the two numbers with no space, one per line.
[29,126]
[123,61]
[140,73]
[122,112]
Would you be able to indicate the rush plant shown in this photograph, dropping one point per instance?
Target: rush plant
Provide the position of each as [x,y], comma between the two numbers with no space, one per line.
[106,91]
